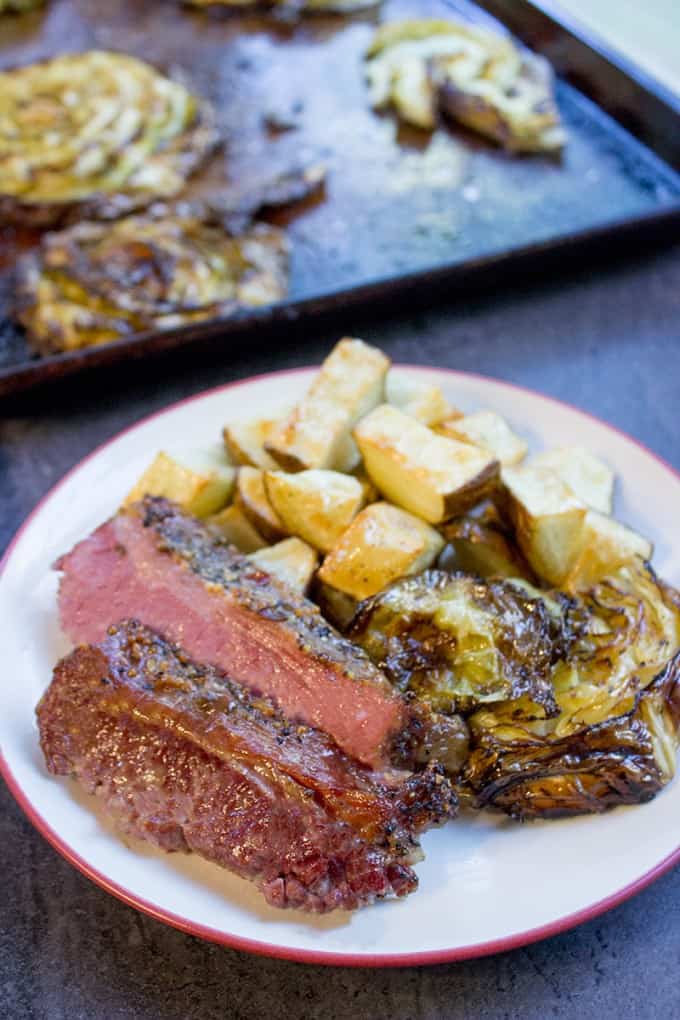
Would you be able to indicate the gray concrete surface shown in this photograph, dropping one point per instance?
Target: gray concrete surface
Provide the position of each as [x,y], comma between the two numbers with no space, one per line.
[607,340]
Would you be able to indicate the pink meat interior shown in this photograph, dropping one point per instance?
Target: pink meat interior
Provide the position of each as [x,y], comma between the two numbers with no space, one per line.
[120,573]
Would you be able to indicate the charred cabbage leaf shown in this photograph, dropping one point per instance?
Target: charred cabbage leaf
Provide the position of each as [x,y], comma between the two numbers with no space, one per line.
[98,133]
[97,282]
[477,77]
[295,185]
[615,736]
[457,641]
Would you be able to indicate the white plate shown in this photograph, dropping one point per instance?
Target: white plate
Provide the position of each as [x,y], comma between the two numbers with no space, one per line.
[486,884]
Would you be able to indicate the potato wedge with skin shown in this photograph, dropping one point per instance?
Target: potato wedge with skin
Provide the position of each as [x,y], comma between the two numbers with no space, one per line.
[381,544]
[433,477]
[420,400]
[238,530]
[488,430]
[201,491]
[606,545]
[316,505]
[245,443]
[291,561]
[589,478]
[251,497]
[548,520]
[317,433]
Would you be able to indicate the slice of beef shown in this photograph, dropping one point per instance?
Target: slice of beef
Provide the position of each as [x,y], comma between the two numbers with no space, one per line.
[187,759]
[157,564]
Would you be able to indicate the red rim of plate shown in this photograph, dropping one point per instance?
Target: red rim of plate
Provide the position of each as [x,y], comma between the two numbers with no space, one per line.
[184,924]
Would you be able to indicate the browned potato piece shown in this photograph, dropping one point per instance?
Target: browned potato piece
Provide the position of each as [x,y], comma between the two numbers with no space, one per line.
[251,497]
[291,560]
[589,478]
[420,400]
[488,430]
[245,443]
[200,491]
[317,432]
[237,529]
[316,505]
[381,544]
[548,520]
[606,545]
[433,477]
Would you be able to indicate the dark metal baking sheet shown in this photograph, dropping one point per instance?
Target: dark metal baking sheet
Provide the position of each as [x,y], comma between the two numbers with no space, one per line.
[401,206]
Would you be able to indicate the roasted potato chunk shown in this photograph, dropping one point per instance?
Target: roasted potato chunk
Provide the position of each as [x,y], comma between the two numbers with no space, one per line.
[235,527]
[317,433]
[488,430]
[548,520]
[252,498]
[420,400]
[606,545]
[433,477]
[459,642]
[589,478]
[381,544]
[291,560]
[201,491]
[245,443]
[316,505]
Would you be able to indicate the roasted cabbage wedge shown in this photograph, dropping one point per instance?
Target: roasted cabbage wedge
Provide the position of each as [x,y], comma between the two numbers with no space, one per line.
[615,736]
[477,77]
[457,641]
[95,134]
[97,282]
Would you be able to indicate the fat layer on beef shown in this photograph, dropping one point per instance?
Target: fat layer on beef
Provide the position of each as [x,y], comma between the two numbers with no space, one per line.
[187,759]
